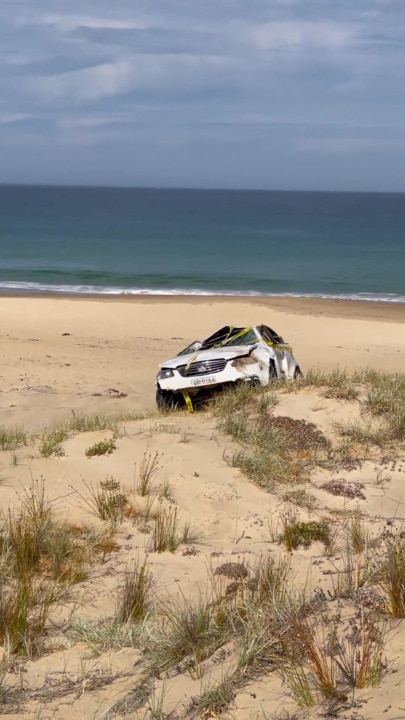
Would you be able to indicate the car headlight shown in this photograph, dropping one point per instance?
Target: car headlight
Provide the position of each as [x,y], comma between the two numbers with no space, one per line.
[165,373]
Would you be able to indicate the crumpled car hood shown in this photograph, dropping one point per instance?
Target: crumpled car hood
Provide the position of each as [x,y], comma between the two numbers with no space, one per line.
[214,353]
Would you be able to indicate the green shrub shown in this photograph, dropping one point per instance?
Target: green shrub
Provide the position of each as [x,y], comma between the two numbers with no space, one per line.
[298,534]
[104,447]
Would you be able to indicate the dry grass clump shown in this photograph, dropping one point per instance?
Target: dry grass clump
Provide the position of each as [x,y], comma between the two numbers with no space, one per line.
[12,438]
[51,439]
[302,534]
[123,629]
[324,658]
[387,573]
[186,632]
[103,447]
[166,533]
[358,535]
[92,423]
[214,700]
[40,557]
[148,468]
[51,442]
[365,435]
[25,604]
[274,449]
[242,398]
[384,399]
[337,384]
[265,457]
[134,600]
[107,502]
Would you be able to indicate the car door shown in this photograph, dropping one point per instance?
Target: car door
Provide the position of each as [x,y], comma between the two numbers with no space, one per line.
[277,344]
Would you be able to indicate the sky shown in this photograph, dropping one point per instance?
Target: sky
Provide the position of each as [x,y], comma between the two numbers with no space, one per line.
[270,94]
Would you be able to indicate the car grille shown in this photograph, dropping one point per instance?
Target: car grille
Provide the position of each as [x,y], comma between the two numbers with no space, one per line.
[203,367]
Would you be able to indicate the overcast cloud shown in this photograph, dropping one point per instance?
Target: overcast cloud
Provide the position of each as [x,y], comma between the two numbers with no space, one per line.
[293,94]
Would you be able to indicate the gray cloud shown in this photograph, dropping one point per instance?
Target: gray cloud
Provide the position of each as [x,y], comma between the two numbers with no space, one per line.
[167,91]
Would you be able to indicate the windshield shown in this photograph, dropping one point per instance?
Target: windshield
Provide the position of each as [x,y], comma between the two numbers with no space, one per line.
[230,336]
[245,337]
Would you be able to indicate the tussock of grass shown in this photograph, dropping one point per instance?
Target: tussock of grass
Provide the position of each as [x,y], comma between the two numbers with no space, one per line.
[92,423]
[107,502]
[388,571]
[384,399]
[214,700]
[52,438]
[337,384]
[271,581]
[296,534]
[148,469]
[358,535]
[12,438]
[274,449]
[104,634]
[40,557]
[134,600]
[241,398]
[51,442]
[366,434]
[167,535]
[25,605]
[187,633]
[103,447]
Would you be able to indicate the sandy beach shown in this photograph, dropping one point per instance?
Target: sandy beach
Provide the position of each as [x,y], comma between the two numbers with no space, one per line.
[60,355]
[63,357]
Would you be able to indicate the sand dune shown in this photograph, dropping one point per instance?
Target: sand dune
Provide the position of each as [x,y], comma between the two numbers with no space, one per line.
[65,355]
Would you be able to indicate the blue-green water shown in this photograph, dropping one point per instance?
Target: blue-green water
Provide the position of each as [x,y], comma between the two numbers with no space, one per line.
[103,240]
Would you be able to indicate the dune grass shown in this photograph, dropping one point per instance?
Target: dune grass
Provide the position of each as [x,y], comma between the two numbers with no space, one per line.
[103,447]
[12,438]
[41,558]
[186,632]
[134,598]
[272,450]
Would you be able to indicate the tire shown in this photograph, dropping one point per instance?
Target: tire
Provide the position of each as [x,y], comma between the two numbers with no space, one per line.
[298,375]
[166,400]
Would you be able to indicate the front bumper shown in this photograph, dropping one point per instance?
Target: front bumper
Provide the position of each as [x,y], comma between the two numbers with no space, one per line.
[236,370]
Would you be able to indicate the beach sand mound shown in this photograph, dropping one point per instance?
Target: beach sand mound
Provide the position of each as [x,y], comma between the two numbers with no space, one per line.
[186,590]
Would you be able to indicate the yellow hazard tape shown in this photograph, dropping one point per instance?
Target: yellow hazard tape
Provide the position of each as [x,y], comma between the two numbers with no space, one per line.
[187,400]
[191,360]
[279,347]
[238,335]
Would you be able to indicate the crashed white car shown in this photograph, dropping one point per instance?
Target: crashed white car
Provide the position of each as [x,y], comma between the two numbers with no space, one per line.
[256,355]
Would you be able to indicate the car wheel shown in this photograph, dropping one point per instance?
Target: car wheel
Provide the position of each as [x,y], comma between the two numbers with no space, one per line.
[298,373]
[166,400]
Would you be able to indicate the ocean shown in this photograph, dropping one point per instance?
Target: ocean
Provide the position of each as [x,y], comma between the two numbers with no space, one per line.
[146,241]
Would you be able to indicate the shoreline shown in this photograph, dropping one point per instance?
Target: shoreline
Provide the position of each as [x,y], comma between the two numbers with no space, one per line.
[381,310]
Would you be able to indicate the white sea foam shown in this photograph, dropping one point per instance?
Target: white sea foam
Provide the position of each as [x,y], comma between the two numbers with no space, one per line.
[26,288]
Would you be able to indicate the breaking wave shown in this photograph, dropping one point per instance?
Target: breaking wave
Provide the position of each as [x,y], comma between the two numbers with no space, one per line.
[33,288]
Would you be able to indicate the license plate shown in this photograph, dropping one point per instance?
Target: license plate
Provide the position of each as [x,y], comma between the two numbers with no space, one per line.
[203,381]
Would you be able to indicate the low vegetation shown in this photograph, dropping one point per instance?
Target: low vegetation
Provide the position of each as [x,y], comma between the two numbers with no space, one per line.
[256,618]
[107,501]
[103,447]
[41,557]
[302,534]
[12,438]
